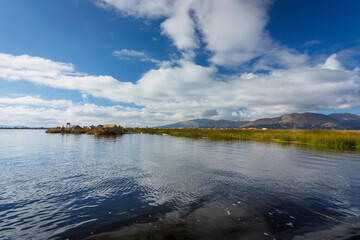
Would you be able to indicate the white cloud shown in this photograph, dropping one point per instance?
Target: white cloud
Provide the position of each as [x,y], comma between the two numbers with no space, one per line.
[58,75]
[331,63]
[29,116]
[33,111]
[139,8]
[279,56]
[130,53]
[125,54]
[26,62]
[34,101]
[180,27]
[233,30]
[187,90]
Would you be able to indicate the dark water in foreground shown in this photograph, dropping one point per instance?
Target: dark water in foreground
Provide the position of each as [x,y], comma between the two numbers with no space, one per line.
[161,187]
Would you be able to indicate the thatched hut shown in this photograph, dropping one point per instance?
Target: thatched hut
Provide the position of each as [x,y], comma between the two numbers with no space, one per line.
[76,127]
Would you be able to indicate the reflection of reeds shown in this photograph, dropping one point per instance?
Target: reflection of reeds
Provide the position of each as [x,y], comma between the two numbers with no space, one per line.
[331,139]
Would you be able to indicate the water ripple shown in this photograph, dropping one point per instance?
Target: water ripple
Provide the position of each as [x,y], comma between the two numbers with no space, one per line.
[83,185]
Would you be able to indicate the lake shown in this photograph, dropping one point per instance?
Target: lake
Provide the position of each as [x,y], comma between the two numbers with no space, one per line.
[140,186]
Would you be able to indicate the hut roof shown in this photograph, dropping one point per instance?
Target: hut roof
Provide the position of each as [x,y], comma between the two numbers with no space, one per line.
[109,125]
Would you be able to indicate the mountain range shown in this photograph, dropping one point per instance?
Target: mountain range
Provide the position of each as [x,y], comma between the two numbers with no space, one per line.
[341,121]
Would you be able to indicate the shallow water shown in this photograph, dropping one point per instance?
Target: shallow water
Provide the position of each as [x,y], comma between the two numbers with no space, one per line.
[161,187]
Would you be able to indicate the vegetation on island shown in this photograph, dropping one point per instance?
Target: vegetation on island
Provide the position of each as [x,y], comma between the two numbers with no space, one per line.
[100,130]
[324,139]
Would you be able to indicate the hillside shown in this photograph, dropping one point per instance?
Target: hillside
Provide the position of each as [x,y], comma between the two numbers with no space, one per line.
[346,118]
[206,123]
[288,121]
[298,121]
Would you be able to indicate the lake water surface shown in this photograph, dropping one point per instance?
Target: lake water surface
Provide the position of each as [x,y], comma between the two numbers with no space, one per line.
[55,186]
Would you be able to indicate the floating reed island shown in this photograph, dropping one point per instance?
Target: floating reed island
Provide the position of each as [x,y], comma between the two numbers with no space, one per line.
[109,129]
[322,139]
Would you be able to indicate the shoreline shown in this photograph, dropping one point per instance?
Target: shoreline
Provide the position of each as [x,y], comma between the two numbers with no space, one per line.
[328,139]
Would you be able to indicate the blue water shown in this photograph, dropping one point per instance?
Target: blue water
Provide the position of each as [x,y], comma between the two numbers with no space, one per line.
[55,186]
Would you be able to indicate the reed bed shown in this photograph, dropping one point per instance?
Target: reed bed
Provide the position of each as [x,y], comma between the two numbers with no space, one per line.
[97,132]
[329,139]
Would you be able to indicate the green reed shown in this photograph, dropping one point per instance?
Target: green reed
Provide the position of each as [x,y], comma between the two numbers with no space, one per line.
[330,139]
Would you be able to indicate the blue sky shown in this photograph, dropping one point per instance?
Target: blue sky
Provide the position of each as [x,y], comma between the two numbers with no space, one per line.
[139,62]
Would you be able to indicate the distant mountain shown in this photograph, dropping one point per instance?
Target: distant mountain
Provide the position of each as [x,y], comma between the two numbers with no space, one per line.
[288,121]
[206,123]
[9,127]
[347,118]
[229,124]
[196,123]
[297,121]
[19,127]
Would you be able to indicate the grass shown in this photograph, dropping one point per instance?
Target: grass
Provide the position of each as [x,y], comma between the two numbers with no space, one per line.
[324,139]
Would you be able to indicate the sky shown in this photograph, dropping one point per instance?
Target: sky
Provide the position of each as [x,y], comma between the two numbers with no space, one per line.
[154,62]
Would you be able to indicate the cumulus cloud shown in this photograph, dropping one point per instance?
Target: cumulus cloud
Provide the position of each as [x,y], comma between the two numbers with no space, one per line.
[187,90]
[233,31]
[180,27]
[331,63]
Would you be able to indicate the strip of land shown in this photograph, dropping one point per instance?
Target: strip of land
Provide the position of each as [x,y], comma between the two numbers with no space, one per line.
[90,130]
[329,139]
